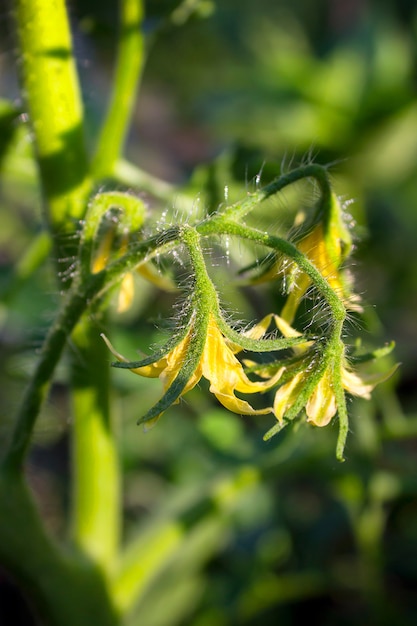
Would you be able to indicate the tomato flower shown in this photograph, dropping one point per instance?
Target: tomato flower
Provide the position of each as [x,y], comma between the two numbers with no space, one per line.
[218,364]
[321,404]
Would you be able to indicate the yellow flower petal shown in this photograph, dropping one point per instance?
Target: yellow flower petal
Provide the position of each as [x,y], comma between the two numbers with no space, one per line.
[288,331]
[287,395]
[218,365]
[321,405]
[226,374]
[103,252]
[168,367]
[149,371]
[362,386]
[126,292]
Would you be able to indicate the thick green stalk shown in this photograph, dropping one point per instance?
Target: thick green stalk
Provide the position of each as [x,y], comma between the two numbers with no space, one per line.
[51,90]
[96,485]
[65,588]
[129,66]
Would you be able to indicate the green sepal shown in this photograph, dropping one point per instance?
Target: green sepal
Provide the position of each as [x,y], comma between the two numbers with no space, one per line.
[185,372]
[378,353]
[336,229]
[258,345]
[275,430]
[131,220]
[342,413]
[307,388]
[162,351]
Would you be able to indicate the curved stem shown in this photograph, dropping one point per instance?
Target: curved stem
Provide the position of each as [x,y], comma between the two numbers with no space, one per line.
[318,172]
[219,225]
[129,66]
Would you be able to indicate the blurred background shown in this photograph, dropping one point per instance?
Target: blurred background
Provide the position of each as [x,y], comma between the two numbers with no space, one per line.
[241,90]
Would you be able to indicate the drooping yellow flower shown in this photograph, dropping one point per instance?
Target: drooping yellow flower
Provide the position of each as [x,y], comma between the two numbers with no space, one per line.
[127,285]
[326,245]
[218,364]
[101,258]
[316,249]
[321,405]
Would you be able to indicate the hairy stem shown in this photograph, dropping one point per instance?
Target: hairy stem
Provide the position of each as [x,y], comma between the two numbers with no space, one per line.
[78,299]
[40,381]
[220,225]
[238,210]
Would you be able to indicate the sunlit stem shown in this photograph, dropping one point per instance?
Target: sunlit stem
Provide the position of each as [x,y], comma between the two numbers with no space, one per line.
[318,172]
[219,225]
[51,89]
[204,291]
[96,485]
[130,60]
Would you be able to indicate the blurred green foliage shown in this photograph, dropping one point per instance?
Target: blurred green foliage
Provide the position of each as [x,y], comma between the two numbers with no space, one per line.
[277,530]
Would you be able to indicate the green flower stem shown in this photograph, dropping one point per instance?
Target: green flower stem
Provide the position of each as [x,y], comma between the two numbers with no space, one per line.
[205,294]
[127,74]
[39,384]
[338,353]
[96,484]
[220,226]
[50,86]
[318,172]
[81,295]
[333,350]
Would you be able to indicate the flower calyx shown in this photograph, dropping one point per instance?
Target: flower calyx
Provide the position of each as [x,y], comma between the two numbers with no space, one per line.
[318,385]
[200,350]
[206,346]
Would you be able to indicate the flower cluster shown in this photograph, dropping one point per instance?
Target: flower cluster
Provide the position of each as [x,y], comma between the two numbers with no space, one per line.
[305,373]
